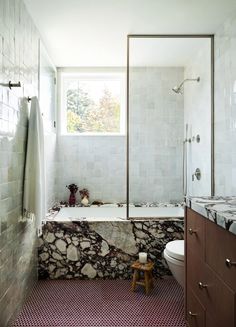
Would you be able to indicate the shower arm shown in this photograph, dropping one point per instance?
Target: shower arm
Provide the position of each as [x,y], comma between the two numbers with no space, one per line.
[189,80]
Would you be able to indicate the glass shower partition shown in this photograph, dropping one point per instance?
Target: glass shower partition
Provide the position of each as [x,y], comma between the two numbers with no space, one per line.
[157,118]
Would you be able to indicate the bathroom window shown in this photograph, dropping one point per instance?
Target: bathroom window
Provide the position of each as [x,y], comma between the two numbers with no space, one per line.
[93,104]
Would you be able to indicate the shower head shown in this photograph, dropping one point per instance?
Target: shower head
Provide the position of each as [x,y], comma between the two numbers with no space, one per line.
[179,89]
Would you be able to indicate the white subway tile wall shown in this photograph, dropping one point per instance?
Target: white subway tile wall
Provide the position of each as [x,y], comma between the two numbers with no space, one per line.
[50,143]
[18,62]
[48,99]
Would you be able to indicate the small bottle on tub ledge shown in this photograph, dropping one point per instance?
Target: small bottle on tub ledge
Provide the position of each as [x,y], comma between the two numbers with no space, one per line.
[84,193]
[73,189]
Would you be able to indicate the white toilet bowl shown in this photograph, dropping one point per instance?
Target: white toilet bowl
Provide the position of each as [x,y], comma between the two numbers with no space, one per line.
[174,255]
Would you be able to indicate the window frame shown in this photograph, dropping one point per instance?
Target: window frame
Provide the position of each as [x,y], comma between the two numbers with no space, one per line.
[92,76]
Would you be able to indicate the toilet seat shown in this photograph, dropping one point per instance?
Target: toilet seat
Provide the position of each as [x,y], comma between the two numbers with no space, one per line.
[175,249]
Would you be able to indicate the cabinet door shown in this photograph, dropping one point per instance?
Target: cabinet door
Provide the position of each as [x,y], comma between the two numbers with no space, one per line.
[220,246]
[211,321]
[217,298]
[195,272]
[195,313]
[195,233]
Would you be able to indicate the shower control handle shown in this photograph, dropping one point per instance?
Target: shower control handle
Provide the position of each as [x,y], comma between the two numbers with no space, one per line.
[187,140]
[196,138]
[197,174]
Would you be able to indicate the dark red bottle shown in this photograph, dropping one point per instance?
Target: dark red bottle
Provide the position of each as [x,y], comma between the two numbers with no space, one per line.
[73,189]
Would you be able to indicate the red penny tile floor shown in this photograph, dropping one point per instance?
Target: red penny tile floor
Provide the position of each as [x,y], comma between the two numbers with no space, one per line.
[102,303]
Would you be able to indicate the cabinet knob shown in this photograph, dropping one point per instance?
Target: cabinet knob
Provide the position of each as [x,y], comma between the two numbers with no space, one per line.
[192,314]
[201,285]
[191,231]
[230,263]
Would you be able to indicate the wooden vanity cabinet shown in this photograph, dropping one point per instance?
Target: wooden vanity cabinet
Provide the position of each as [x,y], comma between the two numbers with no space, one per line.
[210,273]
[221,246]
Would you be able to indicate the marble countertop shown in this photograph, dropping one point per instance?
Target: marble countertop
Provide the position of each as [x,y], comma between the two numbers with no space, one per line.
[220,210]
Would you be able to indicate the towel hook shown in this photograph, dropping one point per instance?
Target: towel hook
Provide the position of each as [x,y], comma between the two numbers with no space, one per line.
[29,99]
[10,84]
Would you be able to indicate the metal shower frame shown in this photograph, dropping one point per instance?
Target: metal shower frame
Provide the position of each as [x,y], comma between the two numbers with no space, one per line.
[133,36]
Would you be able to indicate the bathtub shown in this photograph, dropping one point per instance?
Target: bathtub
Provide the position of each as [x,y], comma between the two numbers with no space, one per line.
[99,242]
[115,213]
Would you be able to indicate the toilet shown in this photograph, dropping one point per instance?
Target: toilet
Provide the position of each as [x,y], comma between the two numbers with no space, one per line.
[174,255]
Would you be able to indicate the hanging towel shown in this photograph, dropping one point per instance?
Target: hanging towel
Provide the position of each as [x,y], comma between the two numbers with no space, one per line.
[34,203]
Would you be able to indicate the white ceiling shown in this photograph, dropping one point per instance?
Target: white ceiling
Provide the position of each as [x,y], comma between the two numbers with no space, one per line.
[169,52]
[93,33]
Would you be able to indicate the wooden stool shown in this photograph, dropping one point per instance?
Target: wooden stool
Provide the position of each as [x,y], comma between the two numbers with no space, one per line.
[142,275]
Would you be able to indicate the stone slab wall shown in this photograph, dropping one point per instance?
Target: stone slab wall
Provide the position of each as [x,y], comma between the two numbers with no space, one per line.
[88,250]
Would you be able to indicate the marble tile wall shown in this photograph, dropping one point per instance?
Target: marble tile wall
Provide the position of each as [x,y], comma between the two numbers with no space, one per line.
[99,162]
[225,137]
[18,62]
[197,106]
[156,134]
[225,108]
[95,162]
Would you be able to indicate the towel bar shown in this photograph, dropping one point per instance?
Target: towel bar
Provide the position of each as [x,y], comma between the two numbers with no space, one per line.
[10,84]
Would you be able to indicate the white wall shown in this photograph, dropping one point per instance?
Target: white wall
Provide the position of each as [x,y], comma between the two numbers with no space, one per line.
[197,114]
[225,108]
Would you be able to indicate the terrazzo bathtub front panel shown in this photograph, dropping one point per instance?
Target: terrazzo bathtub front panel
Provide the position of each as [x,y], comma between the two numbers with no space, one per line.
[89,250]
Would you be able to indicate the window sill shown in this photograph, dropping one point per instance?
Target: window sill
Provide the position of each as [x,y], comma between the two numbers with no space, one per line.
[92,134]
